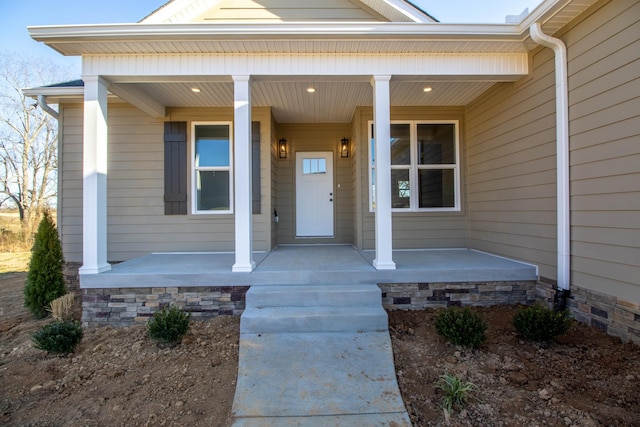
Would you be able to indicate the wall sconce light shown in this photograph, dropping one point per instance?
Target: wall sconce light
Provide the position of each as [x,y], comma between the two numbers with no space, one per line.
[282,148]
[344,148]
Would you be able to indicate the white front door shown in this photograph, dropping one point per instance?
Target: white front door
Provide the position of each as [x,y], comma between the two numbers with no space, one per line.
[314,194]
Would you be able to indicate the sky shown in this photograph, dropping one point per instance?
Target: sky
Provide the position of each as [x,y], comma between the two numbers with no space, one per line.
[16,15]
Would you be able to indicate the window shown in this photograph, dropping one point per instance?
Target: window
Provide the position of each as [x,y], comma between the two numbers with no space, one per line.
[212,181]
[425,173]
[314,166]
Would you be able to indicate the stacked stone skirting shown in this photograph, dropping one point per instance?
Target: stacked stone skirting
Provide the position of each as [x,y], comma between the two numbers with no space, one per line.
[125,306]
[415,296]
[606,313]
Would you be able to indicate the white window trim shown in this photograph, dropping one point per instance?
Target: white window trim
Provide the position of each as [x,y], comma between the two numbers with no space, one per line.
[194,180]
[414,167]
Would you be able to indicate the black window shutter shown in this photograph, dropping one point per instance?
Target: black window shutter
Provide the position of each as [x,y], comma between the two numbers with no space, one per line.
[255,166]
[175,168]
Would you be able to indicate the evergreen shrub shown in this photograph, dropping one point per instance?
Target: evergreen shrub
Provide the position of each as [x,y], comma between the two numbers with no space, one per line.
[462,327]
[58,336]
[45,281]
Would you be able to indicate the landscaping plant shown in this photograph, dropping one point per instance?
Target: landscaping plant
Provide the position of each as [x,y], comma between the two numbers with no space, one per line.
[455,391]
[169,325]
[59,336]
[62,307]
[540,324]
[461,327]
[45,281]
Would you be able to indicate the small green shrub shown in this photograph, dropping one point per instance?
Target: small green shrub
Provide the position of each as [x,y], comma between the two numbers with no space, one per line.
[169,325]
[58,336]
[45,281]
[540,324]
[462,327]
[455,391]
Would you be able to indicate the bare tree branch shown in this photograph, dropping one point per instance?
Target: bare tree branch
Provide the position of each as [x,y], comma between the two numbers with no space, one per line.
[28,137]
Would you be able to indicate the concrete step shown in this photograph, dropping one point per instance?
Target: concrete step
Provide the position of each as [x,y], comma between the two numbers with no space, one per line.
[313,295]
[314,319]
[400,419]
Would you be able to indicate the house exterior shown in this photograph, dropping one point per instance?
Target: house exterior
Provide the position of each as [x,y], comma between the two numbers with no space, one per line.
[239,125]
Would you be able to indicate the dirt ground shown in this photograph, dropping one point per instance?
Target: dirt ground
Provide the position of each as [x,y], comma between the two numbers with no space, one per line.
[118,377]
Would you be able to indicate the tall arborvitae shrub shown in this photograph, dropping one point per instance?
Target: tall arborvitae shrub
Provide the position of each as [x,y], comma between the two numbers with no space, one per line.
[45,281]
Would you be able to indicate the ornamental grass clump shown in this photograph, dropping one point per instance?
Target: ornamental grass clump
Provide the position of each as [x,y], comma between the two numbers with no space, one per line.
[62,307]
[462,327]
[540,324]
[45,281]
[456,392]
[59,336]
[169,325]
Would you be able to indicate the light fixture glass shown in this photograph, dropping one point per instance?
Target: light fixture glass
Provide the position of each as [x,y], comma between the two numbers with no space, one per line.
[344,148]
[282,148]
[311,89]
[195,90]
[427,89]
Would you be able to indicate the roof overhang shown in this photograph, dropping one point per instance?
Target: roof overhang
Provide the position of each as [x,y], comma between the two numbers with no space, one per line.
[303,37]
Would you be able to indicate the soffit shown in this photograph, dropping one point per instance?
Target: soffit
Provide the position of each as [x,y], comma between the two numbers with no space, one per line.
[332,102]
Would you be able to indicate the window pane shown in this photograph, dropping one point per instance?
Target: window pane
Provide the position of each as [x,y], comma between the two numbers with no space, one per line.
[213,191]
[437,188]
[400,144]
[400,188]
[373,188]
[436,144]
[314,166]
[212,145]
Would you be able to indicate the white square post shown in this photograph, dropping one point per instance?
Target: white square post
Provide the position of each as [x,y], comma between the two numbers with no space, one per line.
[382,136]
[94,169]
[242,174]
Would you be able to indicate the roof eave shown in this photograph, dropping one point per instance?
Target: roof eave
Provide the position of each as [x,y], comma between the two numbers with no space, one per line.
[58,36]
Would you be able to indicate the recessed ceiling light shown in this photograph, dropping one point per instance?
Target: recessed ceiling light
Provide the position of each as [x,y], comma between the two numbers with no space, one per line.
[427,89]
[311,89]
[195,90]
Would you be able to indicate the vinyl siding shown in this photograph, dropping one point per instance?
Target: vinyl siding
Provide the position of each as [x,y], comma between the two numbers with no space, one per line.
[511,156]
[314,137]
[604,97]
[285,10]
[136,224]
[415,230]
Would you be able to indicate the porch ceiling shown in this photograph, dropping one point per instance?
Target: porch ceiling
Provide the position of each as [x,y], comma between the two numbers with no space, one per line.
[332,102]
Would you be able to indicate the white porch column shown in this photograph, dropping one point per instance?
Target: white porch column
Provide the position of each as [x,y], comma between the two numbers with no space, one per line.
[382,135]
[242,173]
[94,191]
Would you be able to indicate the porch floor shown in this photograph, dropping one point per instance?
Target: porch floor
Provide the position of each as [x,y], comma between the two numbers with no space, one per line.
[312,264]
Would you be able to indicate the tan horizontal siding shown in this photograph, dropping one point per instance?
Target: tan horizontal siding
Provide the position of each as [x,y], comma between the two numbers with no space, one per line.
[136,223]
[512,204]
[283,10]
[511,168]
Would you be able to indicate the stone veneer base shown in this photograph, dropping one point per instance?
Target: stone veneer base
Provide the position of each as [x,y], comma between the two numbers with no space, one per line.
[415,296]
[126,306]
[615,316]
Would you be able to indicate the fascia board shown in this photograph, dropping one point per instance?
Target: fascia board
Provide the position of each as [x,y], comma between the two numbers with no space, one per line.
[54,91]
[364,31]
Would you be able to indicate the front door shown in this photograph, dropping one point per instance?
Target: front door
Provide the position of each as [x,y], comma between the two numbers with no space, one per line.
[314,194]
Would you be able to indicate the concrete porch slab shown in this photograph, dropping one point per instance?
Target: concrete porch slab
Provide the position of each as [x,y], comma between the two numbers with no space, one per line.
[300,264]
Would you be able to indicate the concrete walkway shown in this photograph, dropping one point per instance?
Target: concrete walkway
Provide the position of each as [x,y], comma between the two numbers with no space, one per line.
[310,356]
